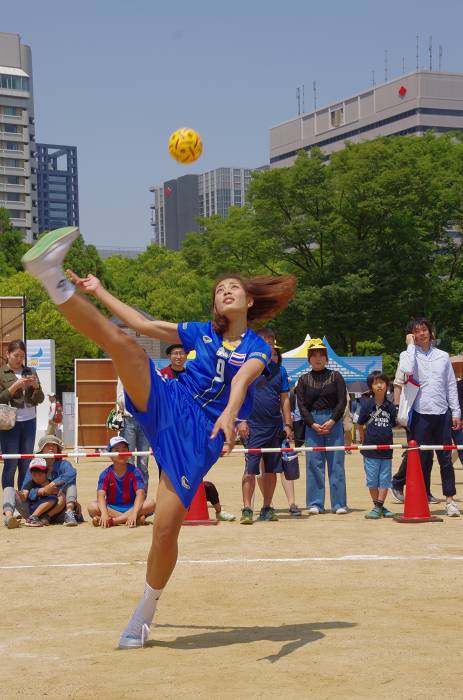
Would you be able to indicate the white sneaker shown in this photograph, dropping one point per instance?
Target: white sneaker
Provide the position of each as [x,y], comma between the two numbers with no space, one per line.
[314,510]
[129,641]
[452,510]
[49,251]
[341,511]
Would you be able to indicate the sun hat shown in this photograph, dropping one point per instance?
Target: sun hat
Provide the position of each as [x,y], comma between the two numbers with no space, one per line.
[50,440]
[316,344]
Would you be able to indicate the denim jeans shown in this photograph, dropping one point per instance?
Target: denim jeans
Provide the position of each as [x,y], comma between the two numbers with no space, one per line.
[435,429]
[315,463]
[136,439]
[19,440]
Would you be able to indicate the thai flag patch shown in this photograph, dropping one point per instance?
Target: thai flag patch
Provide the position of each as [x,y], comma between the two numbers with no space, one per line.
[237,358]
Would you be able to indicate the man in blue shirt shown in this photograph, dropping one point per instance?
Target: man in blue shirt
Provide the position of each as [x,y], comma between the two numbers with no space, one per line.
[436,410]
[264,428]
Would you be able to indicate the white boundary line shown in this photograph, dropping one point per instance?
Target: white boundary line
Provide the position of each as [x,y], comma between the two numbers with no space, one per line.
[260,560]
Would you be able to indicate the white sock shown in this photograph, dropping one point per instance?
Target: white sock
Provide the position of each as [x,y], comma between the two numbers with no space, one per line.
[57,285]
[144,612]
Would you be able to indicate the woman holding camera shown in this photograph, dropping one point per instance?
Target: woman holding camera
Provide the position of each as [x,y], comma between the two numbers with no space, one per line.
[20,388]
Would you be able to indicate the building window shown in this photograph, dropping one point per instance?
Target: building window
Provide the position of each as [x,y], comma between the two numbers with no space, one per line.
[14,82]
[13,179]
[337,116]
[11,111]
[13,197]
[11,129]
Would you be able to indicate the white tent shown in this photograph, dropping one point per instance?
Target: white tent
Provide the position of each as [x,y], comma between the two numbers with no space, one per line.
[300,351]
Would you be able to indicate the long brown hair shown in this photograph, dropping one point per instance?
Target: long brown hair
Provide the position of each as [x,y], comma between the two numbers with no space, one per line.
[270,294]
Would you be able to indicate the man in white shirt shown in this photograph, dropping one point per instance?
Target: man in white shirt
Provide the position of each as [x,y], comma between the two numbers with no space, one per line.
[436,410]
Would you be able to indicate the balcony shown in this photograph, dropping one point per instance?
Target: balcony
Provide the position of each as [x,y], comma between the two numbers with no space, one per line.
[6,136]
[7,153]
[5,187]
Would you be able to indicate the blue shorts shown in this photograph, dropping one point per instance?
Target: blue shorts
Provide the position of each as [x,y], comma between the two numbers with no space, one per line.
[264,436]
[120,509]
[378,472]
[179,434]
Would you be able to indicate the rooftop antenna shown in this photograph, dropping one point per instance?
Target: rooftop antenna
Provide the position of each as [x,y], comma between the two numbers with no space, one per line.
[417,52]
[430,53]
[440,57]
[403,64]
[373,81]
[314,87]
[298,98]
[385,66]
[303,99]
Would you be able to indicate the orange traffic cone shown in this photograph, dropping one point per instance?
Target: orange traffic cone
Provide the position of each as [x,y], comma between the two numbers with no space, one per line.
[416,508]
[197,513]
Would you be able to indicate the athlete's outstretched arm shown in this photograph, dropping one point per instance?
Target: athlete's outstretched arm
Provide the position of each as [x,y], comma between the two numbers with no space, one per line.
[239,386]
[162,330]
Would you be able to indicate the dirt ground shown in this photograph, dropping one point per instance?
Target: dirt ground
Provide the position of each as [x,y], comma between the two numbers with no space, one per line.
[322,606]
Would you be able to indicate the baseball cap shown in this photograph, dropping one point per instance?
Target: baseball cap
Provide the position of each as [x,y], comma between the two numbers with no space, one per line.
[116,440]
[50,439]
[38,463]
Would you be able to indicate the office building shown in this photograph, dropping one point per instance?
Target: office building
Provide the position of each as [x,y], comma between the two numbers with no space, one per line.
[18,181]
[412,104]
[57,186]
[178,203]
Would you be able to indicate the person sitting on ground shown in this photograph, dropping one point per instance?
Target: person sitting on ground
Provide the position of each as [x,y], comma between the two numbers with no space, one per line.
[62,484]
[39,505]
[121,494]
[377,417]
[212,495]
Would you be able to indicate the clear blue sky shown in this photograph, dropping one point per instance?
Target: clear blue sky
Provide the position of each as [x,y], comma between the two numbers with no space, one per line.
[115,78]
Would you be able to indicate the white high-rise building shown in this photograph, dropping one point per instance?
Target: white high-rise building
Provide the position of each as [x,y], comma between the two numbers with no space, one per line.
[18,166]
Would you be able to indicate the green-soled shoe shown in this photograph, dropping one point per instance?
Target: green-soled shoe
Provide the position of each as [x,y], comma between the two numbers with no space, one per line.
[374,514]
[387,513]
[50,249]
[247,516]
[268,514]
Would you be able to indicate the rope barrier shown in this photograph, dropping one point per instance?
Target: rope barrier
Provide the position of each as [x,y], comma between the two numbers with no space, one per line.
[238,450]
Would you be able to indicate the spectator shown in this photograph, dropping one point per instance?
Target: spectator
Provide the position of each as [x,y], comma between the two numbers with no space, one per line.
[19,387]
[177,357]
[55,416]
[321,397]
[121,493]
[38,505]
[62,476]
[457,435]
[133,434]
[436,410]
[212,495]
[264,429]
[377,417]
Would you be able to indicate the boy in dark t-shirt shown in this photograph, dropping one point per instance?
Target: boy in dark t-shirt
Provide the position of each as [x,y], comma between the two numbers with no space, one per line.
[377,415]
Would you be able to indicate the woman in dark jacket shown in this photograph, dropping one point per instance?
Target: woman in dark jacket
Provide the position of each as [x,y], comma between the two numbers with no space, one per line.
[19,387]
[321,397]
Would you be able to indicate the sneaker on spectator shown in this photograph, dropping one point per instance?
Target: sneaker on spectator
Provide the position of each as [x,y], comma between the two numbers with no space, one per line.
[225,517]
[70,519]
[433,499]
[452,509]
[314,510]
[341,511]
[247,516]
[268,513]
[294,510]
[387,513]
[398,495]
[33,521]
[374,514]
[10,522]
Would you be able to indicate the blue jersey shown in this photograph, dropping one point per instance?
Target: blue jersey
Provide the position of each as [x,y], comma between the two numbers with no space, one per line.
[266,409]
[121,490]
[208,377]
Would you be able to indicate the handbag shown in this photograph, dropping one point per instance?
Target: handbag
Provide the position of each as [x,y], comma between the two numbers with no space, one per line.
[407,398]
[290,462]
[115,419]
[7,416]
